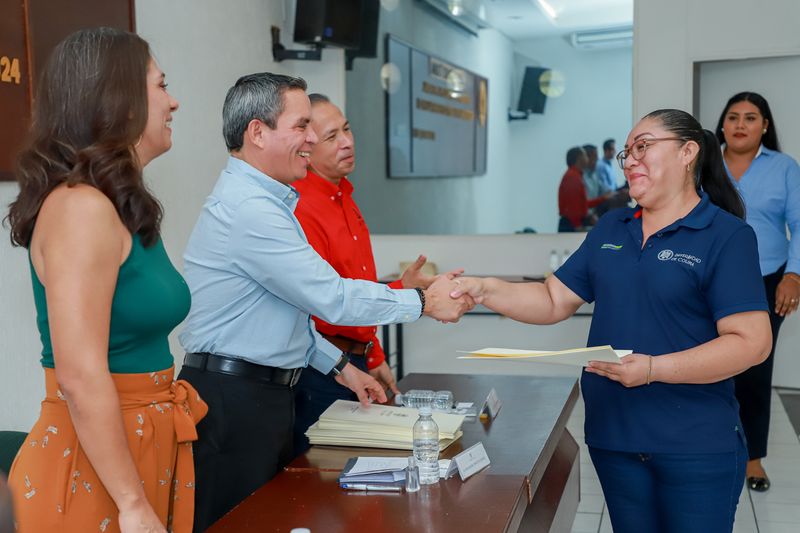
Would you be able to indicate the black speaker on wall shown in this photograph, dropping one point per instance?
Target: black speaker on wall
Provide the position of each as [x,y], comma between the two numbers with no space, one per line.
[328,22]
[531,97]
[368,47]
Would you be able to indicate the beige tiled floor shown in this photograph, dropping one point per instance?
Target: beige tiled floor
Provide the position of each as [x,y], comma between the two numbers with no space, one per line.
[776,511]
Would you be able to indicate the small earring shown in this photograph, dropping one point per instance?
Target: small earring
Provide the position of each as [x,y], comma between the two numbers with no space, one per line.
[688,169]
[764,131]
[138,141]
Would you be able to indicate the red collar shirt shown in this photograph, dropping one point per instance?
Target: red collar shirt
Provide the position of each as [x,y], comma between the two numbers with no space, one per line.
[572,202]
[336,230]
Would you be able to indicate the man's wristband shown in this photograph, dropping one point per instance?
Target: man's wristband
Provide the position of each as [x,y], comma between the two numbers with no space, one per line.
[339,366]
[421,295]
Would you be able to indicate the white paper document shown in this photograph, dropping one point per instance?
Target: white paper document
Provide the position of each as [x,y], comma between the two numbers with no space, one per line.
[369,465]
[574,357]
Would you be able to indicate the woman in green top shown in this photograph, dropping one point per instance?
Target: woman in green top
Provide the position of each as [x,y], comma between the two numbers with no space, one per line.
[114,436]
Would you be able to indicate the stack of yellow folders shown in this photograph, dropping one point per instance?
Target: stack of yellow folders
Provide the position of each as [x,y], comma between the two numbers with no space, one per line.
[347,423]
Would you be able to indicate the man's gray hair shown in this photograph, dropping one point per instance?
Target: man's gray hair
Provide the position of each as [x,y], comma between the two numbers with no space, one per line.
[255,96]
[318,98]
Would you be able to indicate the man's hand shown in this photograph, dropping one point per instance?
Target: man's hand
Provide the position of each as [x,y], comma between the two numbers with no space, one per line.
[413,276]
[364,385]
[383,374]
[438,301]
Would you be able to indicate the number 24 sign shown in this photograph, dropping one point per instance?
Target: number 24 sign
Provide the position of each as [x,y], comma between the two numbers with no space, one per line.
[9,70]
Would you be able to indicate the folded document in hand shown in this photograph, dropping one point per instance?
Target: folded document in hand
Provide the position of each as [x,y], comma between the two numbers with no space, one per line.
[575,357]
[347,423]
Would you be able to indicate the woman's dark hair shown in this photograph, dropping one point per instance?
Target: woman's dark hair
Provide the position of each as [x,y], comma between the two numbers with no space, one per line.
[769,139]
[709,171]
[89,113]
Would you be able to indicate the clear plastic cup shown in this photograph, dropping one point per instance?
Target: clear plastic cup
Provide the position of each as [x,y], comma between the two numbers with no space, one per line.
[443,400]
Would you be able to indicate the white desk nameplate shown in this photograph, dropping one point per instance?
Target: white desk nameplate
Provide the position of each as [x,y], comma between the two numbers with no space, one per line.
[492,404]
[469,462]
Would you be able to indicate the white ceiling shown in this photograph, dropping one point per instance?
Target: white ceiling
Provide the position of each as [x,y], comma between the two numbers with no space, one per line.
[526,19]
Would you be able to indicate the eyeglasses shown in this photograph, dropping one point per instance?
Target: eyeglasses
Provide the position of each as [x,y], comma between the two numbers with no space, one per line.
[639,148]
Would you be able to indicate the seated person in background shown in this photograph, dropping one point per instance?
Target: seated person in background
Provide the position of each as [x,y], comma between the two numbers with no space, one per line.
[590,178]
[254,282]
[605,173]
[573,205]
[335,228]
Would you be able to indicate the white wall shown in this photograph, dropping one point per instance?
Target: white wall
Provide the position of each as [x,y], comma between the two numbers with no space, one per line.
[203,46]
[671,37]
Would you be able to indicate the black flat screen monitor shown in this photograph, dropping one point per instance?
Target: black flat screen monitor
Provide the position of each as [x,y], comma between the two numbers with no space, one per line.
[329,22]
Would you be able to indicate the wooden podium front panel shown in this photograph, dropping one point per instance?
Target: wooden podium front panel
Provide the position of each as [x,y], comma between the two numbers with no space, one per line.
[29,30]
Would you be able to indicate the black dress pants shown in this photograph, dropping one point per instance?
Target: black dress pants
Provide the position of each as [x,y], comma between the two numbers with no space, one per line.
[754,385]
[245,440]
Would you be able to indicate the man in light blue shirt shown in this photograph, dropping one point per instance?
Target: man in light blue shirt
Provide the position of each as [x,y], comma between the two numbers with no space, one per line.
[606,175]
[255,282]
[590,177]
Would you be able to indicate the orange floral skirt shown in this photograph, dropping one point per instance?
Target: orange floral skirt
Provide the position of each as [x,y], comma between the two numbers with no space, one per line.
[54,485]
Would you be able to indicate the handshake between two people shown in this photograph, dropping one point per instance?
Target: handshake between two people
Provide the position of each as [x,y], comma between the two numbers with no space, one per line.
[441,303]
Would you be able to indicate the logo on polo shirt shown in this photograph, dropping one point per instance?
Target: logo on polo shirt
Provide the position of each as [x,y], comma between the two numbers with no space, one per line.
[686,259]
[665,255]
[608,246]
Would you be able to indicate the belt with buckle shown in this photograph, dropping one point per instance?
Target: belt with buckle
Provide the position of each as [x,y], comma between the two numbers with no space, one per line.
[209,362]
[351,346]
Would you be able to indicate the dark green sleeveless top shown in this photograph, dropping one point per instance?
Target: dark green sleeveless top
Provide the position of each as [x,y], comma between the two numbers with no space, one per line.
[150,299]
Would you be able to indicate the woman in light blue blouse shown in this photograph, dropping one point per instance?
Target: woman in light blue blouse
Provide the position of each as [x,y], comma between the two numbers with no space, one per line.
[769,183]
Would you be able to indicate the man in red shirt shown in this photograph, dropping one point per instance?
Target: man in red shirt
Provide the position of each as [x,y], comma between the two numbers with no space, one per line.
[573,205]
[336,230]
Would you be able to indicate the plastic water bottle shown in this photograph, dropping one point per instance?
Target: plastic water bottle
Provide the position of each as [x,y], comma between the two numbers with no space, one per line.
[415,398]
[426,447]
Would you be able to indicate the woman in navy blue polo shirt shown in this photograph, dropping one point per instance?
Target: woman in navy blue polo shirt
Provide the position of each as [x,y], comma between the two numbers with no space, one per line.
[769,183]
[676,280]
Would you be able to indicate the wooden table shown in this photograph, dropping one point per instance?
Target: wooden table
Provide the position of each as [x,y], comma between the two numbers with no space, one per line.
[532,483]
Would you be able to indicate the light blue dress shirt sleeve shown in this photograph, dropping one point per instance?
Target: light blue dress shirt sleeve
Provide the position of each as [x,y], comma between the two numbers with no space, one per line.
[606,179]
[267,246]
[255,280]
[793,216]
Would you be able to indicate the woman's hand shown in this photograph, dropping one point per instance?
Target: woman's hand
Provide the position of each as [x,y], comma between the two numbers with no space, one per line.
[632,370]
[140,518]
[787,295]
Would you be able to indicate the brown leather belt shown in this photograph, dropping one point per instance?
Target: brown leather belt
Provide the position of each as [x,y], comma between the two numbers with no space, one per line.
[351,346]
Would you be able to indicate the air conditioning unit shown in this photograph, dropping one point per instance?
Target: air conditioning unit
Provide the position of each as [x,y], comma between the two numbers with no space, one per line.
[470,15]
[596,39]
